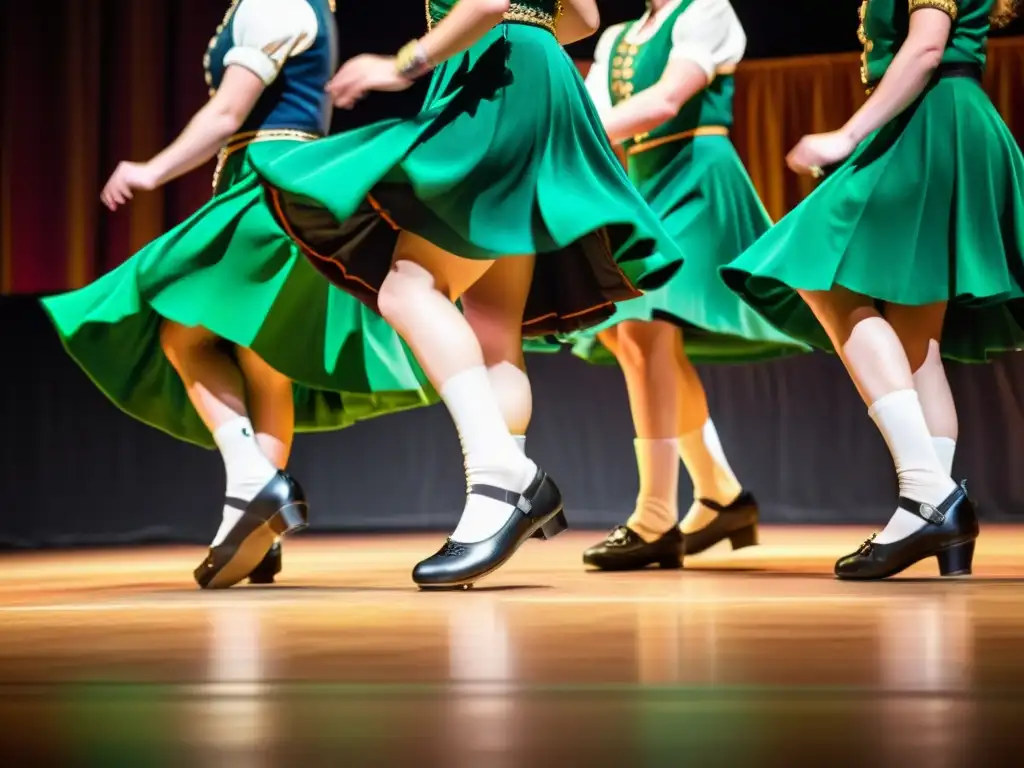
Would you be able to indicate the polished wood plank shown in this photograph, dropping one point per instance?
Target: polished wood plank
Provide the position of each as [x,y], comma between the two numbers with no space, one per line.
[756,657]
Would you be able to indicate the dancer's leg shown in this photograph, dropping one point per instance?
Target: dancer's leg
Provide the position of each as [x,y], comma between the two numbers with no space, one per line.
[216,387]
[271,406]
[700,449]
[646,354]
[920,332]
[416,299]
[495,313]
[878,365]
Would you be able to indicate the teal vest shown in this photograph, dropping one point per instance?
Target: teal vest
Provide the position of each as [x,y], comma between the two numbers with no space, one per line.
[884,25]
[635,68]
[295,100]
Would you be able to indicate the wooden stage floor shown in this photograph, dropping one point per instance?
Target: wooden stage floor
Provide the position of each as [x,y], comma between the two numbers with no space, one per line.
[744,659]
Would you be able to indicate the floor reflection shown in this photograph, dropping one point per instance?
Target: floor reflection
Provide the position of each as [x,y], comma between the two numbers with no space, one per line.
[481,711]
[233,724]
[711,667]
[925,654]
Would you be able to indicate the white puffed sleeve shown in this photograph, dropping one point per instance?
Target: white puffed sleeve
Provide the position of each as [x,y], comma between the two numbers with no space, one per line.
[597,77]
[709,34]
[268,32]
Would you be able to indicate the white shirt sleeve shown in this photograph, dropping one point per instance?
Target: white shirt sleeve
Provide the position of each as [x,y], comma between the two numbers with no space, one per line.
[597,77]
[709,34]
[268,32]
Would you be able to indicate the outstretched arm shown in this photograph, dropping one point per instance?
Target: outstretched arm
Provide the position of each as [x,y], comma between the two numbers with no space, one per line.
[909,73]
[465,24]
[904,80]
[267,32]
[680,82]
[580,19]
[706,36]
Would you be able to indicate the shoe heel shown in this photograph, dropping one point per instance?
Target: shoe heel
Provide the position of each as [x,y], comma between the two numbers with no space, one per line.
[956,561]
[290,518]
[744,537]
[552,527]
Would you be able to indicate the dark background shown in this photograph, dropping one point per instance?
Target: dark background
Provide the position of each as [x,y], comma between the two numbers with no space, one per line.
[74,470]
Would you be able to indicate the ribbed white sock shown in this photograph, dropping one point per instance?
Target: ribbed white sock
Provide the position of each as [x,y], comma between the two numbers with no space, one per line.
[248,469]
[657,503]
[491,454]
[922,477]
[713,478]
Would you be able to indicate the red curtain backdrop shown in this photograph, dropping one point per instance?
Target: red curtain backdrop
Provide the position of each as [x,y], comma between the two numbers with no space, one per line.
[117,79]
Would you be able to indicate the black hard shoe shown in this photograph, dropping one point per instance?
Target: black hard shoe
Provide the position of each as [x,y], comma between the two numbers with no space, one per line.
[949,537]
[736,522]
[279,508]
[536,513]
[269,566]
[624,550]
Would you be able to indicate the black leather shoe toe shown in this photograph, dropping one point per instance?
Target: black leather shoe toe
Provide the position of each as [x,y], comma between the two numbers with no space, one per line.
[279,508]
[624,550]
[536,512]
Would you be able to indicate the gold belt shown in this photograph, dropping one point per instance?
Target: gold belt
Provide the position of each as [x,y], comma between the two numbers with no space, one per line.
[521,14]
[244,139]
[524,14]
[704,130]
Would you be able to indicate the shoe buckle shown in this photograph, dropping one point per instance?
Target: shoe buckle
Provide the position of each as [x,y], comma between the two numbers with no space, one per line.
[524,505]
[932,515]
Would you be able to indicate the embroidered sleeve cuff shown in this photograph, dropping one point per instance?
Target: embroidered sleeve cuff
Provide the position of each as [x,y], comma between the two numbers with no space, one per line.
[255,60]
[948,7]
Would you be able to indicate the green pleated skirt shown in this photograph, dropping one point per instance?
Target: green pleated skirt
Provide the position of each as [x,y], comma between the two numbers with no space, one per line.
[230,268]
[707,203]
[507,157]
[930,208]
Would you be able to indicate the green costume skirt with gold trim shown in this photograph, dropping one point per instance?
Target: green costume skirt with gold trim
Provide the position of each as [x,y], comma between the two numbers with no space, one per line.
[704,197]
[230,268]
[506,157]
[928,209]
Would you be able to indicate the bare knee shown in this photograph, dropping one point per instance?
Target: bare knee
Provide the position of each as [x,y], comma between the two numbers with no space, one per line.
[839,311]
[405,283]
[645,344]
[919,330]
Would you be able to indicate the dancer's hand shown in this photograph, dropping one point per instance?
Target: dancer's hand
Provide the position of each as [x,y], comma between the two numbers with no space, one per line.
[819,151]
[365,73]
[126,178]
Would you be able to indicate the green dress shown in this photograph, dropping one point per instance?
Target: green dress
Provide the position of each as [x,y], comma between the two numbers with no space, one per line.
[929,208]
[689,173]
[506,157]
[231,269]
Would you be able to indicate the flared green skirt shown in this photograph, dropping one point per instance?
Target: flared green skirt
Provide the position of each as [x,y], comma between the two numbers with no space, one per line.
[928,209]
[507,157]
[230,268]
[707,203]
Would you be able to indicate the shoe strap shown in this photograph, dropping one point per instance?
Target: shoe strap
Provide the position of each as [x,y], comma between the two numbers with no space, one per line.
[744,498]
[932,514]
[512,498]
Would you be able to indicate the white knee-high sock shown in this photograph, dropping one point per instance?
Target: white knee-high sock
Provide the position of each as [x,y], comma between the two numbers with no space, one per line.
[246,466]
[713,478]
[520,443]
[491,454]
[657,503]
[922,477]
